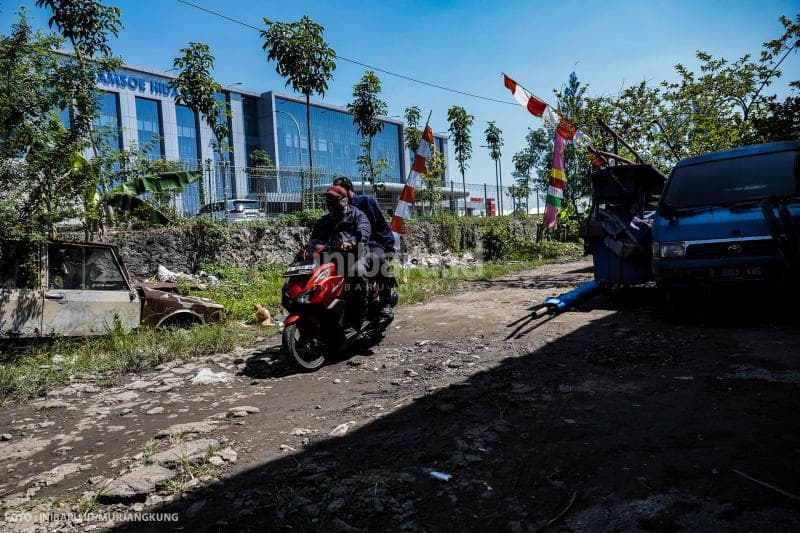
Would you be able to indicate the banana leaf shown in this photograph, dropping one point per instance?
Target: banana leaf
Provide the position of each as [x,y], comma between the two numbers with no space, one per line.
[125,196]
[154,183]
[138,207]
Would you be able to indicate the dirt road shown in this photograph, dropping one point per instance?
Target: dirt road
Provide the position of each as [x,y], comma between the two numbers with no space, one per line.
[610,417]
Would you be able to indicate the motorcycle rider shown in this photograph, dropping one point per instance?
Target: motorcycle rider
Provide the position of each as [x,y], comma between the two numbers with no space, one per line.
[381,241]
[348,226]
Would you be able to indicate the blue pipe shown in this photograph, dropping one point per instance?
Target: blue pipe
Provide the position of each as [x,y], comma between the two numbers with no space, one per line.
[559,304]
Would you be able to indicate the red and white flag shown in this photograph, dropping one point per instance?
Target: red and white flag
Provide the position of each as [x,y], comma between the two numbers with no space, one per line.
[418,167]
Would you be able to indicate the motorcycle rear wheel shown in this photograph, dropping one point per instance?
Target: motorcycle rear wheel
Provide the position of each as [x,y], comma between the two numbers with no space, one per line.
[303,349]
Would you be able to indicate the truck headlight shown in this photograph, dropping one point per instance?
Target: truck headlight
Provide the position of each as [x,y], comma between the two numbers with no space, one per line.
[669,249]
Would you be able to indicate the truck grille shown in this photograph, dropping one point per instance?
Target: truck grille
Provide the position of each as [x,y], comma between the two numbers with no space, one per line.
[765,247]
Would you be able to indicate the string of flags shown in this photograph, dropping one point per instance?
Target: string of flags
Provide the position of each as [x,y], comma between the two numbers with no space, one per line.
[565,131]
[539,108]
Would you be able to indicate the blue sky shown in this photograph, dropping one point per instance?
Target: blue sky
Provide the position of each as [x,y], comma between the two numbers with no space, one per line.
[463,44]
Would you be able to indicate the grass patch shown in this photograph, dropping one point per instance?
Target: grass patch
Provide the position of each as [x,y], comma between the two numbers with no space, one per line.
[241,288]
[34,369]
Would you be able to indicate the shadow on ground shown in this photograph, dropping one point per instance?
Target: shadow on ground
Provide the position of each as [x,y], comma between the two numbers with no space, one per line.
[645,418]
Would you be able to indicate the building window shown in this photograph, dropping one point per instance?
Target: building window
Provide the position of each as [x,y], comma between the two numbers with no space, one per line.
[108,123]
[252,141]
[148,123]
[225,186]
[65,116]
[336,142]
[189,153]
[224,104]
[188,147]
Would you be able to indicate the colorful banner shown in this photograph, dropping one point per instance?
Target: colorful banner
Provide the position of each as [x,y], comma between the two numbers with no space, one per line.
[555,189]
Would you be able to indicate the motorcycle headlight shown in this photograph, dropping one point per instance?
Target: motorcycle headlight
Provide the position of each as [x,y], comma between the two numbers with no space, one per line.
[305,297]
[669,249]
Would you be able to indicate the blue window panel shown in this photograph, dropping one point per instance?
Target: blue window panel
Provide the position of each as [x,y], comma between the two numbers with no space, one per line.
[252,140]
[108,122]
[189,153]
[336,142]
[65,116]
[148,124]
[227,189]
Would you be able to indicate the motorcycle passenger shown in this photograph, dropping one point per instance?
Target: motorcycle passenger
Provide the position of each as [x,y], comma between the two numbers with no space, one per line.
[381,240]
[347,226]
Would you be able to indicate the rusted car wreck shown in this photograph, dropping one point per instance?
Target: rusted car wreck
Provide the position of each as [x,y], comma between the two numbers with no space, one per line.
[74,289]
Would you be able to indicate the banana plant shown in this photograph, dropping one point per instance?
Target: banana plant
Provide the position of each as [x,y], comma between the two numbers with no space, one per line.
[129,196]
[126,196]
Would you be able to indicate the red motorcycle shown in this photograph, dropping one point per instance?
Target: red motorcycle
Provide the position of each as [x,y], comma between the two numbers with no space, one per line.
[325,309]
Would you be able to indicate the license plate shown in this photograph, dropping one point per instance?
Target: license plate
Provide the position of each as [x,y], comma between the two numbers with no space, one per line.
[299,270]
[739,273]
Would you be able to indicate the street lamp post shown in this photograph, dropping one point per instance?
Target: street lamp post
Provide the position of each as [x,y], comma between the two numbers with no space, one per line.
[299,155]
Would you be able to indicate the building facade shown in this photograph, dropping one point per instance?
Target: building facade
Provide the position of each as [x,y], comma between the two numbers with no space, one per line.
[138,108]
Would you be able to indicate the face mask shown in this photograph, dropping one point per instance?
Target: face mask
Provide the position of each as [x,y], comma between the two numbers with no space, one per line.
[336,205]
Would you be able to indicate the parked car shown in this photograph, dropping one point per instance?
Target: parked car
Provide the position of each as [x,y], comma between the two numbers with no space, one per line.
[75,289]
[730,217]
[235,210]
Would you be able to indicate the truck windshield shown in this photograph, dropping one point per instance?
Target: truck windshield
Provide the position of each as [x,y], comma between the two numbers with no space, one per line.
[730,181]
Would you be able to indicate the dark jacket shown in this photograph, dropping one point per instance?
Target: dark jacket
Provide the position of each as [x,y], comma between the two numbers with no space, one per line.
[381,232]
[353,222]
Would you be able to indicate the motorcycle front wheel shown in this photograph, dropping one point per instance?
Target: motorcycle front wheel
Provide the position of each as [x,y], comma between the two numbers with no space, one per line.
[303,347]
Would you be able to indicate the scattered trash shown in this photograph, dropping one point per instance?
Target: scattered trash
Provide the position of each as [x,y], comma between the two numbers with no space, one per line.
[207,377]
[441,476]
[165,274]
[340,430]
[202,278]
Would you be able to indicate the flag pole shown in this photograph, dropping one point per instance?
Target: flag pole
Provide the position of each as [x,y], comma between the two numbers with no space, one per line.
[397,236]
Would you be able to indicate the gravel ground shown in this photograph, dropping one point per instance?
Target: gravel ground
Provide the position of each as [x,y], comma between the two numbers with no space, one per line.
[617,416]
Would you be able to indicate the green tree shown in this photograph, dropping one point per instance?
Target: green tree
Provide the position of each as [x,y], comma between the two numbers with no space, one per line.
[532,163]
[260,159]
[303,57]
[197,90]
[36,84]
[780,123]
[719,106]
[517,191]
[576,159]
[367,108]
[460,123]
[522,172]
[412,132]
[494,140]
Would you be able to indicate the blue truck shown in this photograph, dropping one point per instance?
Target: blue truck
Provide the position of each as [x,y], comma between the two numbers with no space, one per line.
[730,217]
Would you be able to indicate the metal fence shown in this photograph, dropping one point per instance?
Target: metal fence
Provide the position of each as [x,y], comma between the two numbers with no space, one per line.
[287,189]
